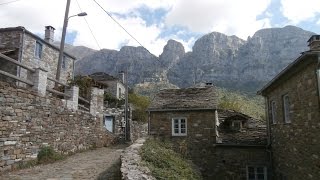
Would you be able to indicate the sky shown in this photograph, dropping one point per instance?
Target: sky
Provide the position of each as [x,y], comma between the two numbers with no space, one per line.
[153,22]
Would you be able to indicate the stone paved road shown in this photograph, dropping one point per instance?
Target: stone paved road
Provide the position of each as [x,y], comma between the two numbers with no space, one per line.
[95,164]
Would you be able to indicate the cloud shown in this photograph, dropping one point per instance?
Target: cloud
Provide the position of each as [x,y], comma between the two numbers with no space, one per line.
[228,16]
[297,11]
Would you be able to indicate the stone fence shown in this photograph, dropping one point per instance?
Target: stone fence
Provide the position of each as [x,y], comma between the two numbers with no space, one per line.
[131,163]
[29,121]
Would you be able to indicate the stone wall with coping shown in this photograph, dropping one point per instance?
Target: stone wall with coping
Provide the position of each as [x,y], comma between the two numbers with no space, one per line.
[29,122]
[138,130]
[131,166]
[296,145]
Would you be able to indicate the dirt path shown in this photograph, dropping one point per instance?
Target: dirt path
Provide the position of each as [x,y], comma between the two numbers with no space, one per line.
[102,163]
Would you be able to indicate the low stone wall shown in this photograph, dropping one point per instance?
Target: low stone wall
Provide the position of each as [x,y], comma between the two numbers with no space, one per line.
[131,167]
[29,122]
[138,130]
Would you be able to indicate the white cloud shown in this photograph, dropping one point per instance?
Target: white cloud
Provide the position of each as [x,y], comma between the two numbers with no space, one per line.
[226,16]
[297,11]
[35,14]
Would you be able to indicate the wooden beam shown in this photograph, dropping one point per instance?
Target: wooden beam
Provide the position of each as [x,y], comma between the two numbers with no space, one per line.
[16,78]
[16,62]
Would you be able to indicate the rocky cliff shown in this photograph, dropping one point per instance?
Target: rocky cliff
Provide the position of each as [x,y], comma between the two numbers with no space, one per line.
[227,61]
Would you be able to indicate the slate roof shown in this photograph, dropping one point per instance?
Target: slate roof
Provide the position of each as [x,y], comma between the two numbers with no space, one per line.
[185,99]
[254,132]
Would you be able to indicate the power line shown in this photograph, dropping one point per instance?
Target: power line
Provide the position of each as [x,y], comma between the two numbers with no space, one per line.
[161,63]
[94,37]
[118,23]
[9,2]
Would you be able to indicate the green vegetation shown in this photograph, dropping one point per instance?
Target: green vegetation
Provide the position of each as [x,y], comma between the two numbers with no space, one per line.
[85,83]
[48,155]
[164,163]
[252,106]
[140,104]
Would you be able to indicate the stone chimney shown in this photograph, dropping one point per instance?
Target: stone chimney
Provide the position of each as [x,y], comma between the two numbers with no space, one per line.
[49,34]
[314,42]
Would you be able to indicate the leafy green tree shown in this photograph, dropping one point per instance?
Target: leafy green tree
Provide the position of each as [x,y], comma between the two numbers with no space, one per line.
[140,104]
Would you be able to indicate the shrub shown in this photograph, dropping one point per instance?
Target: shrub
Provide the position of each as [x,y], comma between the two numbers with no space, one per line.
[164,163]
[48,155]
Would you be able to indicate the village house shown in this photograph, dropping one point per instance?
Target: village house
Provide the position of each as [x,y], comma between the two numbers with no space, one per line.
[223,143]
[34,52]
[293,114]
[114,112]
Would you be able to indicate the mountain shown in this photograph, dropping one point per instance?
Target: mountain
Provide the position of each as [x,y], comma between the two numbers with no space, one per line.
[226,61]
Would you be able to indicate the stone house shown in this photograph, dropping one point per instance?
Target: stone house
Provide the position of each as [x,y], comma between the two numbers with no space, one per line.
[293,114]
[115,86]
[114,115]
[34,52]
[224,144]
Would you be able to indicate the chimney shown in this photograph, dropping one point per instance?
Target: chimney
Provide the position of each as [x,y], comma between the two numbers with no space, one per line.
[49,34]
[314,42]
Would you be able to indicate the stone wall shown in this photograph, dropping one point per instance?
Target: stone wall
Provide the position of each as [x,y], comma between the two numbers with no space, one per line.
[29,122]
[295,145]
[119,124]
[200,138]
[131,166]
[227,162]
[138,130]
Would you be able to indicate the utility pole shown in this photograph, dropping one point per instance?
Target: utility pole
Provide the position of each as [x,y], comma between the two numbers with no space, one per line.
[126,108]
[64,30]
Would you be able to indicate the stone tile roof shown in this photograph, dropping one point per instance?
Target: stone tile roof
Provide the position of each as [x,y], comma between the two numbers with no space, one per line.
[189,98]
[103,77]
[253,131]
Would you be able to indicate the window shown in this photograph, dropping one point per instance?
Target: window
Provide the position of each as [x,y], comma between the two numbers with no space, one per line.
[286,108]
[273,112]
[256,173]
[120,94]
[236,125]
[64,62]
[38,50]
[179,127]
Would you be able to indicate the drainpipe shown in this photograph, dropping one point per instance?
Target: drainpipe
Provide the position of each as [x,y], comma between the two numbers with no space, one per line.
[318,78]
[149,116]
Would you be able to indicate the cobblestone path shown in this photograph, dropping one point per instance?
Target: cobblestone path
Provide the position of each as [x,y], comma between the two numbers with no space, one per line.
[102,163]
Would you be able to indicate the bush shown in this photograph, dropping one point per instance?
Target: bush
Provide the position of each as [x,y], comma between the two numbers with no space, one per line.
[48,155]
[140,104]
[164,163]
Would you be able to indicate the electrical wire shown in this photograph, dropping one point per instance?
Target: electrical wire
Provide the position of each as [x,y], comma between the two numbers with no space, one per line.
[94,37]
[161,63]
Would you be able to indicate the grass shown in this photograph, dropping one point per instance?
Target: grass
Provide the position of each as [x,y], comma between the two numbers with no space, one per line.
[165,163]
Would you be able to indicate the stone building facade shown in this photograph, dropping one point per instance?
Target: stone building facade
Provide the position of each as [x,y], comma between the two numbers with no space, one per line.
[224,144]
[34,52]
[293,113]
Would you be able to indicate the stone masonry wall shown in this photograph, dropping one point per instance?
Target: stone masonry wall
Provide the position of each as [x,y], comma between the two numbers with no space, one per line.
[200,139]
[296,145]
[29,122]
[232,162]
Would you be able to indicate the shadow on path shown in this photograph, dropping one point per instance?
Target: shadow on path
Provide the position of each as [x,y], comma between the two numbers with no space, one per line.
[112,173]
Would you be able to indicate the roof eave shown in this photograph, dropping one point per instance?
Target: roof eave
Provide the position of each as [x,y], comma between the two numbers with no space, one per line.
[285,70]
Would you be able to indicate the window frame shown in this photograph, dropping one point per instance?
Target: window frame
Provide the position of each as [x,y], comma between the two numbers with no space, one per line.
[236,122]
[179,126]
[38,50]
[265,172]
[273,108]
[286,108]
